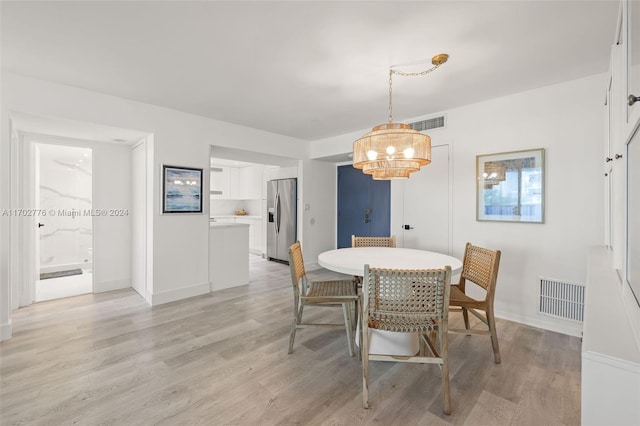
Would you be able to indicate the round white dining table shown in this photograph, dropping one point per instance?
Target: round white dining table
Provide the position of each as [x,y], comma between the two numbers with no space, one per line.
[351,261]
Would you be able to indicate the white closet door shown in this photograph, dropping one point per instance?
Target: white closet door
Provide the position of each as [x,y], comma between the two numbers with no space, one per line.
[423,203]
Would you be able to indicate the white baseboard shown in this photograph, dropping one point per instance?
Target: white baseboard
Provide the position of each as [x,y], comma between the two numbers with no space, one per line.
[570,328]
[178,294]
[103,287]
[5,331]
[217,287]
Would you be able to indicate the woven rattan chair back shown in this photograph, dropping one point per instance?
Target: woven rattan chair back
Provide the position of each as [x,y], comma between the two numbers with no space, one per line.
[406,300]
[297,266]
[480,266]
[330,294]
[410,301]
[373,241]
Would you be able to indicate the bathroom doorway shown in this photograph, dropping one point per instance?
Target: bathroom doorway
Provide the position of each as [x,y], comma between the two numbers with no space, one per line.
[64,225]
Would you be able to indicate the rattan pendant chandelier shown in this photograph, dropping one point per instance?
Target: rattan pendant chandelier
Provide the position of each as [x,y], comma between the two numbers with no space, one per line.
[394,150]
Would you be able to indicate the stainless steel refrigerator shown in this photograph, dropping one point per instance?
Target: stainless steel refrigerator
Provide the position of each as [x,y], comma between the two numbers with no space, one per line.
[282,199]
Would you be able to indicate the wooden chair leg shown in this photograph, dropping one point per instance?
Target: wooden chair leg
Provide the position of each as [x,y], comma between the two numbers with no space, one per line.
[359,329]
[355,314]
[434,339]
[300,313]
[444,353]
[346,309]
[292,336]
[465,315]
[446,397]
[365,370]
[491,321]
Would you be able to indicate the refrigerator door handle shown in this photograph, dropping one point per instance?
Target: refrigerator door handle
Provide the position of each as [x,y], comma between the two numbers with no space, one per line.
[275,212]
[277,204]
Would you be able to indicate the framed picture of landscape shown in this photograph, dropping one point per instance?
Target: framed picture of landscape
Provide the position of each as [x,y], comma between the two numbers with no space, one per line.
[181,189]
[510,186]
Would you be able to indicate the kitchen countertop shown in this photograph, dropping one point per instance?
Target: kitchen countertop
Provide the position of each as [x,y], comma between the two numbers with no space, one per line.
[226,216]
[227,225]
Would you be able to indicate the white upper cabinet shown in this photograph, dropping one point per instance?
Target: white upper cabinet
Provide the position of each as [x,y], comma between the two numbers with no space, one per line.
[224,182]
[236,183]
[219,182]
[250,181]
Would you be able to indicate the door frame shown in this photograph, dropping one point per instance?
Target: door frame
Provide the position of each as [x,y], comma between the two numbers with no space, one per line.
[26,264]
[141,233]
[22,262]
[335,228]
[35,173]
[398,188]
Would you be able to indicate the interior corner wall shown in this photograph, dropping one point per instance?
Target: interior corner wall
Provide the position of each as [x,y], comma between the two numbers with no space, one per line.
[318,205]
[111,194]
[567,120]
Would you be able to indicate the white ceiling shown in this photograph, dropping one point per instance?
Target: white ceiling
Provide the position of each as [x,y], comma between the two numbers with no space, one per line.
[306,69]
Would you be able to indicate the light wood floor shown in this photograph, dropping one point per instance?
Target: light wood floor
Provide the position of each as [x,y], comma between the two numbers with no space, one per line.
[221,358]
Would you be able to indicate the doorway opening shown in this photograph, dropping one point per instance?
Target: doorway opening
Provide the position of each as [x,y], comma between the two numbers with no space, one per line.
[64,227]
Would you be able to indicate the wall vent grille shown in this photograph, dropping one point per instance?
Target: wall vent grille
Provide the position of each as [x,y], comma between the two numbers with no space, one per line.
[561,299]
[431,123]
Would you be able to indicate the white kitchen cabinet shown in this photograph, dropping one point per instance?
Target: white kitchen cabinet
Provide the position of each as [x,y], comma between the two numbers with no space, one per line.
[611,332]
[228,255]
[218,182]
[224,183]
[630,41]
[234,183]
[255,233]
[250,182]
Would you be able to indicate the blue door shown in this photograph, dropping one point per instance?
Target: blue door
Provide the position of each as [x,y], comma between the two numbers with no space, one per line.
[364,205]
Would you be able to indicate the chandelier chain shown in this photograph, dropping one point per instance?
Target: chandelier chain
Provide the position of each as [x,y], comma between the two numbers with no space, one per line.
[405,74]
[415,74]
[390,107]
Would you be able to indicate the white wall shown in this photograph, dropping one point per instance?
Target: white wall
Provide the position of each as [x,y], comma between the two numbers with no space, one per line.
[179,242]
[318,207]
[566,119]
[112,190]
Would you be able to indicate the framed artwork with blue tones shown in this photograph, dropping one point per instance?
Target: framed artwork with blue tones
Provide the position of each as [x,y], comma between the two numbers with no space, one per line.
[510,186]
[181,189]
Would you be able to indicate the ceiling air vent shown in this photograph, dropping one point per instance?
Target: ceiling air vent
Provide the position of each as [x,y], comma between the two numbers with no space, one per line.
[431,123]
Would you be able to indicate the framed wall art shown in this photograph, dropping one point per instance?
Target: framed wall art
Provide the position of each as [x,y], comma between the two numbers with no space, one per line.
[510,186]
[181,189]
